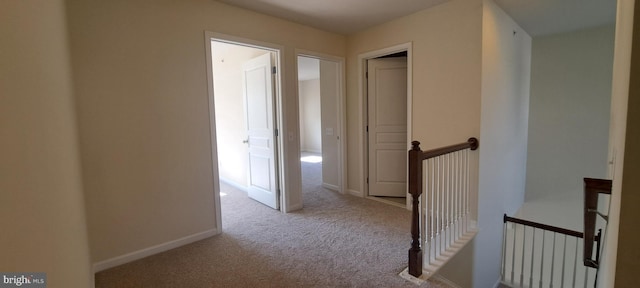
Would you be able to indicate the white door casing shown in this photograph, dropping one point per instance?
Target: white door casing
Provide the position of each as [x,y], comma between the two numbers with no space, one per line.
[259,110]
[334,168]
[387,126]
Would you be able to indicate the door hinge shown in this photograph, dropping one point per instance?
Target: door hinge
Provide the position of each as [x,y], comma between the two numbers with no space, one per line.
[367,128]
[366,74]
[276,132]
[367,180]
[274,70]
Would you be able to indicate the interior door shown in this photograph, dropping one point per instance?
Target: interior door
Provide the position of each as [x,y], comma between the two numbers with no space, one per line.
[259,109]
[387,136]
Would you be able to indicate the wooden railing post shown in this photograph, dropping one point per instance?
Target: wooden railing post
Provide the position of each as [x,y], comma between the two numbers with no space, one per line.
[592,187]
[415,189]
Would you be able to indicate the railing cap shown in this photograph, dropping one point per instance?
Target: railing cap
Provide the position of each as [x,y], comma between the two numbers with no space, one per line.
[474,143]
[415,145]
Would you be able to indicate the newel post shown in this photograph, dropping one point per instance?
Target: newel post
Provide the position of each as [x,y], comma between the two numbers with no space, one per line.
[415,189]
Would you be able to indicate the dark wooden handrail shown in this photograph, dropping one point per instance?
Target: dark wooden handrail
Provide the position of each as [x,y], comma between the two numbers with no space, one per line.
[472,144]
[543,226]
[415,158]
[592,187]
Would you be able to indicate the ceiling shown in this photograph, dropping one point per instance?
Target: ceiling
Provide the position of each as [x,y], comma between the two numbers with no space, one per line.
[544,17]
[338,16]
[537,17]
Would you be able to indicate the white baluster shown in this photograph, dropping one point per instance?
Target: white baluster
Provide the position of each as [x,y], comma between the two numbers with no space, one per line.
[564,257]
[542,259]
[575,263]
[533,250]
[553,256]
[504,249]
[432,195]
[513,251]
[442,205]
[586,276]
[524,242]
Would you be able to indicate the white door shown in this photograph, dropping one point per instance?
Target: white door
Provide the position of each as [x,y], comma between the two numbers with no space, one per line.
[387,112]
[259,109]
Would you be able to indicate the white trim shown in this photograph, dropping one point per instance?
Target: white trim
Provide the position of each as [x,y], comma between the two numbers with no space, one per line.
[429,271]
[208,36]
[385,201]
[233,184]
[331,187]
[295,207]
[415,280]
[342,112]
[280,106]
[133,256]
[311,151]
[355,193]
[362,91]
[444,280]
[623,52]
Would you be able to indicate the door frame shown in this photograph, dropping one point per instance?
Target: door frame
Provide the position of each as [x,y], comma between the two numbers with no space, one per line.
[341,113]
[278,50]
[363,109]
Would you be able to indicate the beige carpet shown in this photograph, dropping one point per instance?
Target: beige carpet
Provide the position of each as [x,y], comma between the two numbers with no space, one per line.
[335,241]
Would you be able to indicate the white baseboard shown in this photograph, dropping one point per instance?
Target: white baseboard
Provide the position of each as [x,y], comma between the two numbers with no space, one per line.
[355,193]
[233,184]
[392,203]
[293,208]
[331,187]
[446,281]
[426,276]
[130,257]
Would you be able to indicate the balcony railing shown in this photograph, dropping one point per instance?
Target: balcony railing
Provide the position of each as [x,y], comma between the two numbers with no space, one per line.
[442,199]
[539,255]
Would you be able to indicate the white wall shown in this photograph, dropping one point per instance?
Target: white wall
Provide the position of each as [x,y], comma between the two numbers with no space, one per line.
[141,85]
[569,115]
[231,127]
[446,65]
[310,116]
[42,212]
[506,64]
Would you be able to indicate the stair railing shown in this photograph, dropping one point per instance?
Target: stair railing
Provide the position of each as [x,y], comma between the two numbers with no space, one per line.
[540,255]
[445,183]
[519,247]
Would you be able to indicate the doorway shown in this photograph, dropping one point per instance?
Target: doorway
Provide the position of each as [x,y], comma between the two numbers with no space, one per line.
[386,116]
[320,118]
[245,109]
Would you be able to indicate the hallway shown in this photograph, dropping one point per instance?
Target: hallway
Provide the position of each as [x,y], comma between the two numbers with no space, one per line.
[335,241]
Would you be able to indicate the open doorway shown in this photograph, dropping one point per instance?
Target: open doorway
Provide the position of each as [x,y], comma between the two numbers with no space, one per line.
[321,125]
[387,123]
[245,93]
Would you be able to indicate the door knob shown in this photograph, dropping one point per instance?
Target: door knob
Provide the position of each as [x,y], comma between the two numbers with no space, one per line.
[245,141]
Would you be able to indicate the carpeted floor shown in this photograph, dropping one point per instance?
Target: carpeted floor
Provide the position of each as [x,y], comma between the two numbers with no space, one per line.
[335,241]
